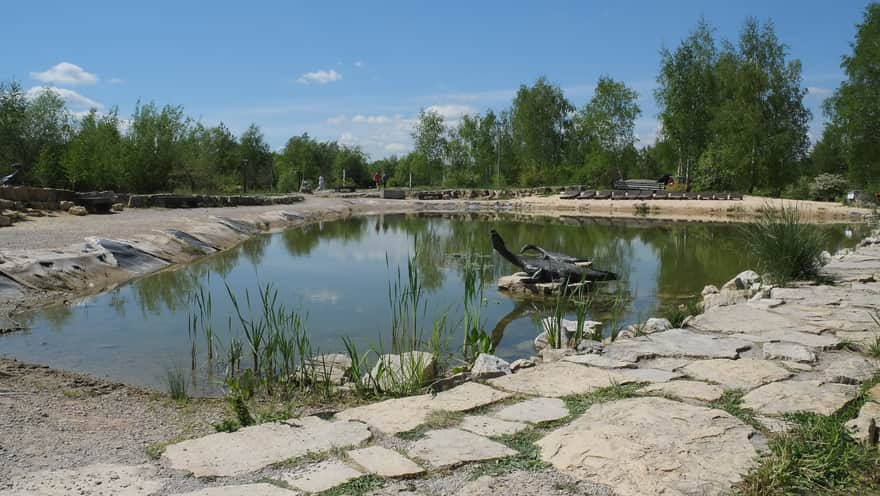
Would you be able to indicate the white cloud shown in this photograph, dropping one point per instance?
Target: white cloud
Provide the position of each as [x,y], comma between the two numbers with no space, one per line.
[397,148]
[335,121]
[75,100]
[451,112]
[319,77]
[360,64]
[371,119]
[65,73]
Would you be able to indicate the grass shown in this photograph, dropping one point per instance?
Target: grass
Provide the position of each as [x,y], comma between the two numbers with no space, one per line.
[676,314]
[528,457]
[874,347]
[579,403]
[356,487]
[784,245]
[817,457]
[731,402]
[437,419]
[176,379]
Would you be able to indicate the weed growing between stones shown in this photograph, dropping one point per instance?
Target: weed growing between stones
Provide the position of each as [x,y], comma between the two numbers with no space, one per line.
[874,347]
[785,247]
[817,457]
[677,313]
[438,419]
[579,403]
[731,402]
[356,487]
[528,457]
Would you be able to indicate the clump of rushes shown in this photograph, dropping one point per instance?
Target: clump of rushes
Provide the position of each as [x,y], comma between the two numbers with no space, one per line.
[784,245]
[176,378]
[677,313]
[476,339]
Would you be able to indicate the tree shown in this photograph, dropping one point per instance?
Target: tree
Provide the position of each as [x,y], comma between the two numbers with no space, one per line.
[153,146]
[609,120]
[256,160]
[853,111]
[92,160]
[46,131]
[429,136]
[13,109]
[686,96]
[538,117]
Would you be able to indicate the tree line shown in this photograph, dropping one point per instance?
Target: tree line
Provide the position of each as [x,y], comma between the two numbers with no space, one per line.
[731,114]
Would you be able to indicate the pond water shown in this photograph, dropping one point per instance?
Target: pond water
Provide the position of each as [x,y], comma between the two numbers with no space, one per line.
[338,274]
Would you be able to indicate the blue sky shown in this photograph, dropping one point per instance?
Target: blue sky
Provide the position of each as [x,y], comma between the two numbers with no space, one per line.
[359,72]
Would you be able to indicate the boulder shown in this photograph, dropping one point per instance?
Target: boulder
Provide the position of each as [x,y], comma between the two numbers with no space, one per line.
[5,221]
[117,207]
[743,280]
[489,366]
[849,368]
[390,370]
[864,427]
[77,210]
[66,205]
[521,363]
[710,289]
[650,326]
[333,368]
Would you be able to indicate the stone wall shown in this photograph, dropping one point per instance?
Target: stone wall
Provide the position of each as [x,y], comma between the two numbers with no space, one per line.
[167,200]
[39,198]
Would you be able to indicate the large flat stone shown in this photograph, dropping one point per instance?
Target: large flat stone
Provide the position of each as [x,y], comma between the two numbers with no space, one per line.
[601,361]
[848,368]
[251,448]
[418,366]
[534,411]
[405,414]
[789,352]
[825,341]
[322,476]
[643,446]
[745,373]
[676,343]
[748,319]
[650,375]
[490,426]
[90,480]
[793,396]
[449,447]
[686,390]
[384,462]
[559,379]
[259,489]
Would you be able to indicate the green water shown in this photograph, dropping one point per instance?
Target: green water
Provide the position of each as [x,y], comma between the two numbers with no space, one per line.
[337,273]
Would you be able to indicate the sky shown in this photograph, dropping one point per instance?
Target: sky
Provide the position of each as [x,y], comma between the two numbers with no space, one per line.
[359,72]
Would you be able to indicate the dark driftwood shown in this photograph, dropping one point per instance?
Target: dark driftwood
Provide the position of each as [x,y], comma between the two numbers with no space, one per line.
[550,269]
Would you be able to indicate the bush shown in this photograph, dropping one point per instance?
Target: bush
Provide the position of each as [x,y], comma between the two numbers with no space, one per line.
[785,247]
[828,187]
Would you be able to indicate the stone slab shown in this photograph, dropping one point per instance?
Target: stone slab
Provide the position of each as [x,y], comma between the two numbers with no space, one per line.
[404,414]
[534,411]
[778,398]
[228,454]
[484,425]
[676,343]
[649,445]
[789,352]
[860,427]
[848,368]
[449,447]
[384,462]
[817,342]
[745,373]
[322,476]
[259,489]
[748,319]
[559,379]
[89,480]
[650,375]
[695,390]
[601,361]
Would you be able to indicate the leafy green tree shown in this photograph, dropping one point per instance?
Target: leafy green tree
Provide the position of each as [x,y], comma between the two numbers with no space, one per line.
[538,117]
[854,109]
[153,146]
[13,110]
[93,157]
[430,140]
[687,96]
[46,131]
[609,120]
[256,160]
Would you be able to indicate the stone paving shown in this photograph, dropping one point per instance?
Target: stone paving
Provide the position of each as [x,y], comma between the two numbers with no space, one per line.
[784,355]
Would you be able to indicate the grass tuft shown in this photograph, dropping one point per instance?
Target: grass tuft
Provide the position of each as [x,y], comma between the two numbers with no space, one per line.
[579,403]
[356,487]
[785,246]
[528,457]
[731,402]
[176,383]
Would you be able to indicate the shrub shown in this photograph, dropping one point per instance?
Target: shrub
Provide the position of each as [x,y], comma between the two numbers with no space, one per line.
[785,247]
[828,187]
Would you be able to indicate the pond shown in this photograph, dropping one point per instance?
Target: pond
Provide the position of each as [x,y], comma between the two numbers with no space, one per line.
[337,274]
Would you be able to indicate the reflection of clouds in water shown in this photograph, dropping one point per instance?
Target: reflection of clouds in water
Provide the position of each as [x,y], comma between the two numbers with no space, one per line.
[323,295]
[396,246]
